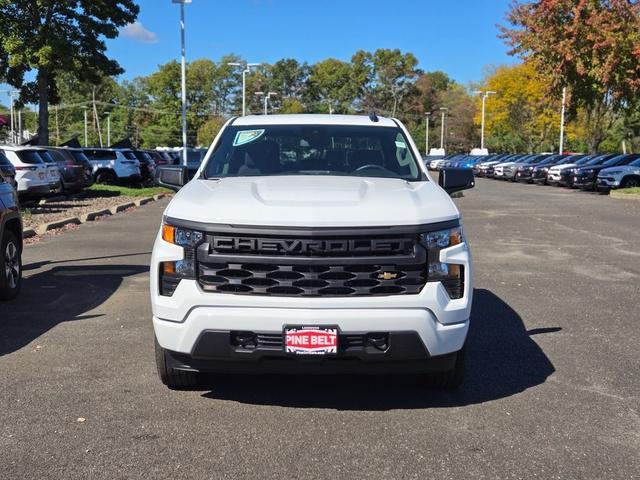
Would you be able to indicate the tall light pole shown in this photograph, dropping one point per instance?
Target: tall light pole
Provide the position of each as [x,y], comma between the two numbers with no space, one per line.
[564,100]
[183,68]
[108,129]
[485,95]
[13,122]
[247,69]
[266,100]
[444,111]
[426,142]
[86,132]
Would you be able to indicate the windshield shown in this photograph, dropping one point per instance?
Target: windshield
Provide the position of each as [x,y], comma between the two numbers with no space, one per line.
[313,150]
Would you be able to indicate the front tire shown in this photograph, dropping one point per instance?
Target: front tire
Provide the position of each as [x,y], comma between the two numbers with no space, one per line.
[451,379]
[10,266]
[630,182]
[106,176]
[172,378]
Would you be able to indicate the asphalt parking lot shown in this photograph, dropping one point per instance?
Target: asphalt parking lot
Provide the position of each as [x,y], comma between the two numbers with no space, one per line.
[552,389]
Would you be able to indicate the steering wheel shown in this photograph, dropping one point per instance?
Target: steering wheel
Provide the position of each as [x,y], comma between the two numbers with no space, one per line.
[370,165]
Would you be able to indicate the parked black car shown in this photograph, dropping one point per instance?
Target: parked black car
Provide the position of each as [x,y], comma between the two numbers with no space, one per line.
[147,165]
[75,169]
[7,170]
[524,173]
[585,178]
[567,175]
[10,241]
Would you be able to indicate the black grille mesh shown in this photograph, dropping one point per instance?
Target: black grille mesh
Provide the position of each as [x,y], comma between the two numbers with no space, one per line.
[311,280]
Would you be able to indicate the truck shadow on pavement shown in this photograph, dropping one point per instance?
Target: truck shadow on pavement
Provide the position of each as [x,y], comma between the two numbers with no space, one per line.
[503,360]
[61,294]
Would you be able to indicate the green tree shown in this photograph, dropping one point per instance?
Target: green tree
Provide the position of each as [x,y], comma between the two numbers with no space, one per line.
[330,86]
[56,36]
[393,77]
[209,129]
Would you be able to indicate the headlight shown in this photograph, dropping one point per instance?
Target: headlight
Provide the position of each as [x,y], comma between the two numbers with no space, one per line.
[451,275]
[172,272]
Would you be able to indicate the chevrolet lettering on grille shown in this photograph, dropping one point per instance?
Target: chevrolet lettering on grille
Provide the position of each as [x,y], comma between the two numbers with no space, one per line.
[224,244]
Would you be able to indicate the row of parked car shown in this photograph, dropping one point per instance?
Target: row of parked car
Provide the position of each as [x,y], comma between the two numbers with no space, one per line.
[601,172]
[41,171]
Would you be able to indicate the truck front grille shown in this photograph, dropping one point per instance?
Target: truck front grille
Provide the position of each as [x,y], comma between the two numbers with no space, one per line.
[327,280]
[312,263]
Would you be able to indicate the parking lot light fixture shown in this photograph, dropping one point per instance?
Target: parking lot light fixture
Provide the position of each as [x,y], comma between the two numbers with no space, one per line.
[426,142]
[266,101]
[183,69]
[444,110]
[247,69]
[485,95]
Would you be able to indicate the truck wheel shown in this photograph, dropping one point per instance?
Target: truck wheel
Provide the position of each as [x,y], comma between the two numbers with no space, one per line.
[172,378]
[10,266]
[630,182]
[106,176]
[451,379]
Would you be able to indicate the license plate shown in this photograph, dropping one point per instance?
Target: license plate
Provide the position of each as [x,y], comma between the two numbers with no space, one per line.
[311,340]
[41,175]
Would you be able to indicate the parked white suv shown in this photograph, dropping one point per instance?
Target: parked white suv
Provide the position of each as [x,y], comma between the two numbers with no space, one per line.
[111,165]
[32,176]
[311,244]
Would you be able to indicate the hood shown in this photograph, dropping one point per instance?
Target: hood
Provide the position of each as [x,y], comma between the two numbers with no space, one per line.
[312,201]
[621,168]
[563,166]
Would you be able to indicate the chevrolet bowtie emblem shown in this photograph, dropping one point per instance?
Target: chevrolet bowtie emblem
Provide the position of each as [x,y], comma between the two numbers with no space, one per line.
[387,276]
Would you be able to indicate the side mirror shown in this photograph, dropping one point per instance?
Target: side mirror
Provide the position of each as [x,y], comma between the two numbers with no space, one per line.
[173,177]
[455,179]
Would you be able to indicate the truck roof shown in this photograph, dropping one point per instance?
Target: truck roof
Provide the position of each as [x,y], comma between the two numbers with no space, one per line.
[313,119]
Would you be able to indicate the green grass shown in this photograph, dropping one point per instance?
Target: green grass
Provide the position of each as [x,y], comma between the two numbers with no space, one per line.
[120,191]
[629,191]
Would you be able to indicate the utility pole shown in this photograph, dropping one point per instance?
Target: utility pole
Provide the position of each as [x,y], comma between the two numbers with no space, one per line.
[55,109]
[564,99]
[183,70]
[426,142]
[86,132]
[19,126]
[95,115]
[108,129]
[444,111]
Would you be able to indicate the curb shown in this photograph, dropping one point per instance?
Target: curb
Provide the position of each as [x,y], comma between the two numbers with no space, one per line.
[625,196]
[54,199]
[89,217]
[45,227]
[144,201]
[121,207]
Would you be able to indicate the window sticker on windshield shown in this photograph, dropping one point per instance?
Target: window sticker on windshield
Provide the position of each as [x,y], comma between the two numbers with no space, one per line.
[401,144]
[246,136]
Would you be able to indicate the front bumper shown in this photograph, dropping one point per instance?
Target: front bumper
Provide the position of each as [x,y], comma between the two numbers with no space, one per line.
[440,323]
[606,184]
[584,182]
[524,177]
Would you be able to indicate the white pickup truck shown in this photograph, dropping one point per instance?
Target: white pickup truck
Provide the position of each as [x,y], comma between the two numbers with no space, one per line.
[311,244]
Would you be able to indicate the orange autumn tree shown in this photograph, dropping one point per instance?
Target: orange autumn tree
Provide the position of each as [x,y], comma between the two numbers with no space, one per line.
[592,47]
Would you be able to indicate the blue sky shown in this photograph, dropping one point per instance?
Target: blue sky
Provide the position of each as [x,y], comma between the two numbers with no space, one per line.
[458,37]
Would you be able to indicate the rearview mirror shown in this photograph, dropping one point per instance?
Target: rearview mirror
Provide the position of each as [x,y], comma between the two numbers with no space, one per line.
[173,177]
[455,179]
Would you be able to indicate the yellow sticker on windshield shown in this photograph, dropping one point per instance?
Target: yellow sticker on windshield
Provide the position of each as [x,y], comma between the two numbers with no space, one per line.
[246,136]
